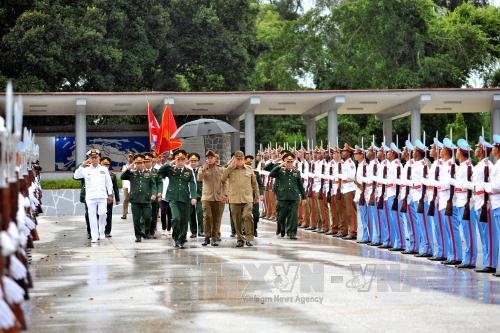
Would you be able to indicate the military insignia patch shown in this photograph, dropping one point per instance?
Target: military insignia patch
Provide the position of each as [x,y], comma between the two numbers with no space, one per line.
[186,173]
[146,174]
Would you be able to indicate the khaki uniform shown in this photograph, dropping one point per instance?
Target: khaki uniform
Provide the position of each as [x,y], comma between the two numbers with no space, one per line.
[242,188]
[212,199]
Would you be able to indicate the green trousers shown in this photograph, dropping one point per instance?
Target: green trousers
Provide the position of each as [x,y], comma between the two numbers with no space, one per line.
[287,214]
[141,214]
[196,219]
[155,205]
[180,219]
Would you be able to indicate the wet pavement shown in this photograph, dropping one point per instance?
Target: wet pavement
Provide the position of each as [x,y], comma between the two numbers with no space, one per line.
[314,284]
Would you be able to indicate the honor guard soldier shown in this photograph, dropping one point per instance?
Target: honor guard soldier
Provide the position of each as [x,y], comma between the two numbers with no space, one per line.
[149,162]
[405,196]
[392,193]
[479,211]
[371,188]
[316,207]
[98,192]
[181,195]
[126,184]
[142,193]
[419,170]
[461,200]
[105,161]
[213,197]
[196,216]
[289,193]
[432,198]
[348,188]
[379,198]
[337,227]
[360,198]
[492,188]
[448,212]
[243,191]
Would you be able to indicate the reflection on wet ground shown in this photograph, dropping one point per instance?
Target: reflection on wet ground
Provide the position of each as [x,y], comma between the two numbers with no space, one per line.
[316,283]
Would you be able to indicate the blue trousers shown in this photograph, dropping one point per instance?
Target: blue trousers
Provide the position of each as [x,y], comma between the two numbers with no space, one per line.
[495,219]
[382,223]
[363,211]
[489,233]
[438,232]
[412,218]
[375,222]
[387,235]
[469,228]
[397,227]
[425,231]
[453,243]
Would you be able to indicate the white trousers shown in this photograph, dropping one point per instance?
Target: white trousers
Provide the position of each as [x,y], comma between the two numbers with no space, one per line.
[97,207]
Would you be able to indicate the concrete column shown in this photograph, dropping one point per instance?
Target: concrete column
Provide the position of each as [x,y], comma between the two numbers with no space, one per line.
[495,115]
[387,130]
[415,124]
[333,127]
[311,132]
[235,137]
[250,131]
[80,130]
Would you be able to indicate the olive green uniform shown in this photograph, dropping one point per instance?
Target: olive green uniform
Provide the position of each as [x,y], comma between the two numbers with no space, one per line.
[109,206]
[289,190]
[155,205]
[142,187]
[196,216]
[181,189]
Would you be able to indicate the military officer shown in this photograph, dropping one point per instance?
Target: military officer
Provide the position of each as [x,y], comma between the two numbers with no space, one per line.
[126,184]
[371,190]
[359,198]
[255,211]
[241,183]
[492,187]
[181,195]
[395,216]
[196,216]
[142,193]
[289,193]
[410,214]
[383,218]
[106,161]
[149,162]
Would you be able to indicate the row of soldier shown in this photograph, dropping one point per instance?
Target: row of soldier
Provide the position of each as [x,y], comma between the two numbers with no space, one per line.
[20,198]
[405,202]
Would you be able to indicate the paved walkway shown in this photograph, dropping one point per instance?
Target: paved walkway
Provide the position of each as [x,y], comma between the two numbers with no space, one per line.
[315,284]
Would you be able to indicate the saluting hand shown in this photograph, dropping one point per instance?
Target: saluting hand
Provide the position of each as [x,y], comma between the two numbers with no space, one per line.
[110,199]
[193,202]
[153,197]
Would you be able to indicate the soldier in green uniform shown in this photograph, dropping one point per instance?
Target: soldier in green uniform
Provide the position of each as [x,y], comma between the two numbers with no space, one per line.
[155,205]
[256,206]
[106,161]
[142,193]
[181,194]
[288,194]
[196,216]
[269,167]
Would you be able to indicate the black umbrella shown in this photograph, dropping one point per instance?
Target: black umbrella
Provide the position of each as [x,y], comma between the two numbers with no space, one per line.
[203,127]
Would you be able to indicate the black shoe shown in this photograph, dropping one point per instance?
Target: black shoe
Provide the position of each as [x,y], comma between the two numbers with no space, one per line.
[375,244]
[239,243]
[396,249]
[214,243]
[387,246]
[206,242]
[310,228]
[437,258]
[451,262]
[88,237]
[423,255]
[282,233]
[409,252]
[193,236]
[123,217]
[177,244]
[108,235]
[293,237]
[255,233]
[339,235]
[321,232]
[496,274]
[485,270]
[329,233]
[349,238]
[465,266]
[248,243]
[138,239]
[233,235]
[181,246]
[200,234]
[147,237]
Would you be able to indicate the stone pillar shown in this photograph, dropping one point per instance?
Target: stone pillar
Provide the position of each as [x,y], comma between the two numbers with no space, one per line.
[333,106]
[495,115]
[235,137]
[387,130]
[415,124]
[250,132]
[80,130]
[310,132]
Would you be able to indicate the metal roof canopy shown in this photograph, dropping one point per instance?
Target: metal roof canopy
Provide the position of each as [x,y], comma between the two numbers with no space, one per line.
[390,103]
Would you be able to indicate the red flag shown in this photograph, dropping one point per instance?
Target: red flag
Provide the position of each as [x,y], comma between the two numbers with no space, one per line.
[168,128]
[154,128]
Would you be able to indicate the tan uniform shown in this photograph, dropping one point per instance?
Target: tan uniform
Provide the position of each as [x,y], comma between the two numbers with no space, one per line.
[212,199]
[242,188]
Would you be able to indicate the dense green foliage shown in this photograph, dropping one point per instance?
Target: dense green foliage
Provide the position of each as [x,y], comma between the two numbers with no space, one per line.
[211,45]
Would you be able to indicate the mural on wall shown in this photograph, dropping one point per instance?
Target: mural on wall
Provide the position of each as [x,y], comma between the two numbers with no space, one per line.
[113,147]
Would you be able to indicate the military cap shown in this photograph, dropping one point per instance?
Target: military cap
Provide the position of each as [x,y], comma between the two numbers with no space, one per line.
[105,161]
[438,143]
[373,147]
[209,153]
[180,154]
[463,146]
[93,152]
[384,147]
[448,144]
[289,156]
[347,148]
[139,158]
[420,146]
[409,146]
[496,140]
[394,148]
[483,143]
[239,154]
[194,157]
[130,153]
[148,156]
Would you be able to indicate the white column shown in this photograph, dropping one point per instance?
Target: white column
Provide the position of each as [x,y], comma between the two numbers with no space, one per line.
[311,131]
[387,130]
[235,137]
[250,125]
[495,115]
[332,107]
[415,124]
[80,130]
